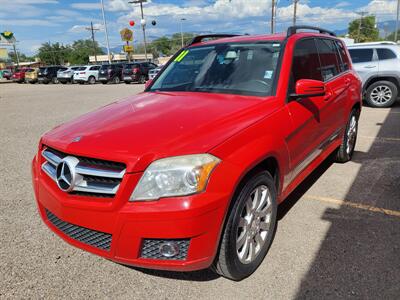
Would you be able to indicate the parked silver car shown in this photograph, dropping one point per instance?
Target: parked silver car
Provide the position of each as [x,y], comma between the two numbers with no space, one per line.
[154,72]
[378,65]
[65,75]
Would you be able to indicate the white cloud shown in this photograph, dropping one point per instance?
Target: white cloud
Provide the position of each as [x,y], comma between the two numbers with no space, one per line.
[27,22]
[86,5]
[384,10]
[84,28]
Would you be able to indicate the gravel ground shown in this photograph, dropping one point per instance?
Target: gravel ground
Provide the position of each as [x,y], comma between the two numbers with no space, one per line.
[332,241]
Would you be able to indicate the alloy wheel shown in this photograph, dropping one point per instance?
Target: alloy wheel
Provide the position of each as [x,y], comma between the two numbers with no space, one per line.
[351,134]
[254,224]
[381,94]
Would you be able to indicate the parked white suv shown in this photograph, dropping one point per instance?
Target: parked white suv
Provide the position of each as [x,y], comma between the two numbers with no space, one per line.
[378,65]
[88,74]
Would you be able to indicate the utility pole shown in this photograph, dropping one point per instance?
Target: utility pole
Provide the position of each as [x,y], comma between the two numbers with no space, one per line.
[16,54]
[143,23]
[182,19]
[295,11]
[397,21]
[91,29]
[362,13]
[273,17]
[106,32]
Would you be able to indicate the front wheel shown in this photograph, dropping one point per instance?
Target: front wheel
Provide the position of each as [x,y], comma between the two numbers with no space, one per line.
[116,80]
[142,79]
[250,228]
[345,151]
[54,80]
[381,94]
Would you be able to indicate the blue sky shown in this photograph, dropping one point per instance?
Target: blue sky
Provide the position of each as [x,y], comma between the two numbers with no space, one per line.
[37,21]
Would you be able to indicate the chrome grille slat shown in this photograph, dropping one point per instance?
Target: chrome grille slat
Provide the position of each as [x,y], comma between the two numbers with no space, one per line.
[96,177]
[97,239]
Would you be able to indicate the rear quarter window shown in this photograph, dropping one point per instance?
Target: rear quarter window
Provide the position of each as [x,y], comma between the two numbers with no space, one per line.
[385,54]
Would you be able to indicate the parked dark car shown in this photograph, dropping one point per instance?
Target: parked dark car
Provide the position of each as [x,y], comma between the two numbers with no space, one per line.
[137,72]
[48,74]
[110,73]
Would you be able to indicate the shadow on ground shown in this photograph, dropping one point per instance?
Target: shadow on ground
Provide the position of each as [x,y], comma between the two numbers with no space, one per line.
[360,255]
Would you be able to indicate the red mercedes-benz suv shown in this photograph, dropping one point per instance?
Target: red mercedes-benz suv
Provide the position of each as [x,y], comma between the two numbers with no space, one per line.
[188,174]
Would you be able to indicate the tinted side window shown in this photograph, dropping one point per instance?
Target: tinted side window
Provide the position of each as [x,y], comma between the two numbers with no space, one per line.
[305,62]
[385,54]
[361,55]
[328,57]
[344,62]
[95,68]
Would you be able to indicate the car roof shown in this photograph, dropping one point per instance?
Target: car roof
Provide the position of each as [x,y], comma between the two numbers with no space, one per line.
[262,37]
[376,46]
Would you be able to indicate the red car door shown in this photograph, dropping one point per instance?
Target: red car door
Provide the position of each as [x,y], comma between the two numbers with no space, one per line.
[308,125]
[333,110]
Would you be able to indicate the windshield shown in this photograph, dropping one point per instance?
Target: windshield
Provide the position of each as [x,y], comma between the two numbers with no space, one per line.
[241,68]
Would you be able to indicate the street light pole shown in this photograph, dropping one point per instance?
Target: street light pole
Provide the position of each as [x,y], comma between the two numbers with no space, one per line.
[295,11]
[92,29]
[183,19]
[142,23]
[273,17]
[106,32]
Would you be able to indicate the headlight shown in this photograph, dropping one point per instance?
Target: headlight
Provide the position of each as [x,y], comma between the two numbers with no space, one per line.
[175,176]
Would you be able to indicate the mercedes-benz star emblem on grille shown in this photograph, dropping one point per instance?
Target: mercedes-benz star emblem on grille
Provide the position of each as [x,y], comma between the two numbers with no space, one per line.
[66,175]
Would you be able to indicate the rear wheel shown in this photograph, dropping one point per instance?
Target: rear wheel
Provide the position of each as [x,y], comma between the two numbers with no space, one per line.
[142,79]
[346,149]
[116,80]
[92,80]
[54,80]
[249,229]
[381,94]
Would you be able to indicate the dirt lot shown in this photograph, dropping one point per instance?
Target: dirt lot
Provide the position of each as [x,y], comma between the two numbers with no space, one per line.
[338,234]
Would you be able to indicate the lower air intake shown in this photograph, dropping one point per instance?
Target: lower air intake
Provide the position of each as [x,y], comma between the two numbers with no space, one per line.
[153,249]
[84,235]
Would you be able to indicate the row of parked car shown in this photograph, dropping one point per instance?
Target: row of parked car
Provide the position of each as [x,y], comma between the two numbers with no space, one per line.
[138,72]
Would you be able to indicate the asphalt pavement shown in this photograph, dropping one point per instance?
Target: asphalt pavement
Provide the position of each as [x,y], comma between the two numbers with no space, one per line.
[338,234]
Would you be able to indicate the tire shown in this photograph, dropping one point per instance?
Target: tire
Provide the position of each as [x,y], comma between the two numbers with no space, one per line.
[142,79]
[116,80]
[92,80]
[381,94]
[54,80]
[244,225]
[346,149]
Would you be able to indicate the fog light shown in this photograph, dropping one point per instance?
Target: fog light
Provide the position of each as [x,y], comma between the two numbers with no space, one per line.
[169,249]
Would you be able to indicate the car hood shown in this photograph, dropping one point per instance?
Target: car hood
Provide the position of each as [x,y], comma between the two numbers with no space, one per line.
[149,126]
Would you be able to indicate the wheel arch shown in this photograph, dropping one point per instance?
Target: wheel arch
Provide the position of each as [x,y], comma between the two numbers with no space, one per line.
[392,78]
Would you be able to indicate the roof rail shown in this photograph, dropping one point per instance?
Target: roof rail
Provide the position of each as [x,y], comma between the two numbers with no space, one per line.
[293,30]
[373,43]
[199,38]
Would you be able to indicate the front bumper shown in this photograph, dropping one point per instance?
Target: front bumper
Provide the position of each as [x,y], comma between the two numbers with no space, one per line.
[197,218]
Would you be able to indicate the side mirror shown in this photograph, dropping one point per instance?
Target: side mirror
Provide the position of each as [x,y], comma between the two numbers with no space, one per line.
[308,88]
[147,84]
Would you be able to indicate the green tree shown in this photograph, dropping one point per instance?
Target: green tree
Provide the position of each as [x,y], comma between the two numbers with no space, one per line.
[81,50]
[22,57]
[367,32]
[53,53]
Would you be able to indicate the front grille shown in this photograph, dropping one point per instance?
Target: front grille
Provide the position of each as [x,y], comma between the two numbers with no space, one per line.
[94,177]
[151,249]
[100,240]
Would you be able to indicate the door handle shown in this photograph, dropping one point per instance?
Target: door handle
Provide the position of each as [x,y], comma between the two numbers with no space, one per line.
[328,95]
[370,67]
